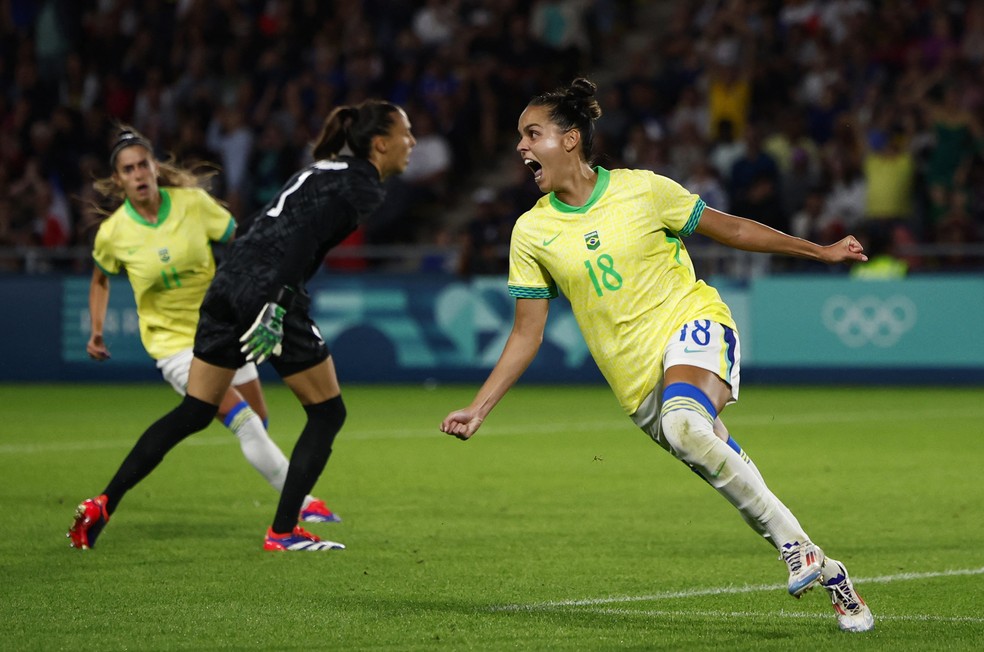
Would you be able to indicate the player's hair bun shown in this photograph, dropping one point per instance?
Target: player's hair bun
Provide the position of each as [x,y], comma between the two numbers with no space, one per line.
[581,94]
[582,88]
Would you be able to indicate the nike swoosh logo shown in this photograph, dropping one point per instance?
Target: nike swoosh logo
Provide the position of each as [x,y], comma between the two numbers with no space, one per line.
[687,349]
[132,250]
[719,469]
[547,242]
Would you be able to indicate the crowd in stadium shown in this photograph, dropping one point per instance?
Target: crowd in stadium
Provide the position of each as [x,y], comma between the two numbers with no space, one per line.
[817,118]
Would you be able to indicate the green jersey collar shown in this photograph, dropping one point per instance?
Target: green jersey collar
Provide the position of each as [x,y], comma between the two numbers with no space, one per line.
[601,185]
[162,212]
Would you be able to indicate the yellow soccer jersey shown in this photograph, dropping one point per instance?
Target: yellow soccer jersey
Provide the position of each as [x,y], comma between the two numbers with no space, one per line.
[621,262]
[169,264]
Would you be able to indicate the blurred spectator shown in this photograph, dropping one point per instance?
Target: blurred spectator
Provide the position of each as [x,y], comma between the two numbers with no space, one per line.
[230,136]
[879,103]
[687,151]
[273,159]
[690,111]
[559,26]
[16,224]
[957,138]
[44,206]
[706,183]
[154,110]
[415,202]
[430,160]
[883,264]
[725,150]
[889,173]
[729,99]
[956,227]
[79,87]
[796,181]
[814,221]
[487,236]
[446,258]
[754,185]
[847,196]
[435,22]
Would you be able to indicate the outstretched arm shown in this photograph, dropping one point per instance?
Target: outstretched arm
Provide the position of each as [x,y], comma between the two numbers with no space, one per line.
[521,347]
[749,235]
[98,303]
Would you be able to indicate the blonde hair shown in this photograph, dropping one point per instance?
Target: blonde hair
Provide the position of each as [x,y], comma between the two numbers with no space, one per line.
[169,173]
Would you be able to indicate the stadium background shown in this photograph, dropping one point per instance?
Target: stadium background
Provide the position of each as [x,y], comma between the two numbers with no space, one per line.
[818,118]
[560,527]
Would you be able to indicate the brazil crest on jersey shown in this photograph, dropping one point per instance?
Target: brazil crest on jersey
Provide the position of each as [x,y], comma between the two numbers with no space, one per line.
[621,262]
[169,264]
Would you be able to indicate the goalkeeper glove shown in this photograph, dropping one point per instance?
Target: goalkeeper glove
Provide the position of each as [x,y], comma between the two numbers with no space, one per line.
[263,338]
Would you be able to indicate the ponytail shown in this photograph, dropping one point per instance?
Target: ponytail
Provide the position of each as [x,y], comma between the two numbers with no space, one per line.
[354,126]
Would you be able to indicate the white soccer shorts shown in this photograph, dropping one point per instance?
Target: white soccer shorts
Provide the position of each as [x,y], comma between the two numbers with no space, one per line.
[175,370]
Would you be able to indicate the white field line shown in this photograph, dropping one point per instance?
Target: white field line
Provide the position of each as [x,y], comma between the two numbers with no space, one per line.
[726,590]
[534,427]
[751,615]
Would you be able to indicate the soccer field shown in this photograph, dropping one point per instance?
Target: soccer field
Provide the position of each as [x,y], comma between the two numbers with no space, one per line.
[558,527]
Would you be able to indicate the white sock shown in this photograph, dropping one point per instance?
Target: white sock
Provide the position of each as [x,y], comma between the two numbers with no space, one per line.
[257,446]
[261,451]
[753,524]
[687,432]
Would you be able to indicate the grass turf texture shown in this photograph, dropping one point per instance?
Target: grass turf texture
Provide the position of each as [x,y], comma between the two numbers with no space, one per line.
[558,527]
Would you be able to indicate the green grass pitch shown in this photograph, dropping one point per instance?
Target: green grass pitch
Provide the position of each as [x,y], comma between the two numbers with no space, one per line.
[558,527]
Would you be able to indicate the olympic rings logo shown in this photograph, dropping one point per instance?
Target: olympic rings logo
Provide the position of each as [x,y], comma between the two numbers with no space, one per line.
[869,320]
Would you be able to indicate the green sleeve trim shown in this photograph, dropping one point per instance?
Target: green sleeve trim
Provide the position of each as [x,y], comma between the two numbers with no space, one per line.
[694,218]
[227,236]
[104,270]
[522,292]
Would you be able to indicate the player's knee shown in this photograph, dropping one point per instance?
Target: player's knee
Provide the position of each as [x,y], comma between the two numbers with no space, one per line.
[687,425]
[327,417]
[238,415]
[192,415]
[685,433]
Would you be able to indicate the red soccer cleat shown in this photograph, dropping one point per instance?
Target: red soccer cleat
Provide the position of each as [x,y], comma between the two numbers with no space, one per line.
[90,518]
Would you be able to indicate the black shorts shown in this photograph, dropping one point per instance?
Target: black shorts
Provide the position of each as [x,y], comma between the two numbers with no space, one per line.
[227,313]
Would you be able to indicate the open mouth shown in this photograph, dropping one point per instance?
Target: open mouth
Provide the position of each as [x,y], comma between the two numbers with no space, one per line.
[535,168]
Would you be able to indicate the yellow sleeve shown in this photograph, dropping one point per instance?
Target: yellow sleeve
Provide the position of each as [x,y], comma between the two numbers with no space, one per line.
[677,207]
[103,253]
[219,223]
[528,279]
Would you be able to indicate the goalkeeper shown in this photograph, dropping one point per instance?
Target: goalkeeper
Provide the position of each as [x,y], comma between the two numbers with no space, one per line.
[257,309]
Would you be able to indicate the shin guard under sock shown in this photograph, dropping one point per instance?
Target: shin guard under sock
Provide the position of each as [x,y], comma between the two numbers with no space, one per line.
[256,444]
[686,425]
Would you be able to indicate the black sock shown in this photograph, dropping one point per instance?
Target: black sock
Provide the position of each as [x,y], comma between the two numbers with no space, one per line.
[308,460]
[191,416]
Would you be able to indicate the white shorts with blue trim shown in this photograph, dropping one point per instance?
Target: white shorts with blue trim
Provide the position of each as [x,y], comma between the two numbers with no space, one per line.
[699,343]
[175,369]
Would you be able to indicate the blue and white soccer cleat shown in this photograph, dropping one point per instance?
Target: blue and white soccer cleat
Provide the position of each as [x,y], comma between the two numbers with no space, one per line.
[853,615]
[299,539]
[90,518]
[318,512]
[804,561]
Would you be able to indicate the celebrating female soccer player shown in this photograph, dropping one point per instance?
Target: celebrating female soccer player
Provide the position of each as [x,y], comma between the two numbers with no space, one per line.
[611,241]
[257,307]
[162,237]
